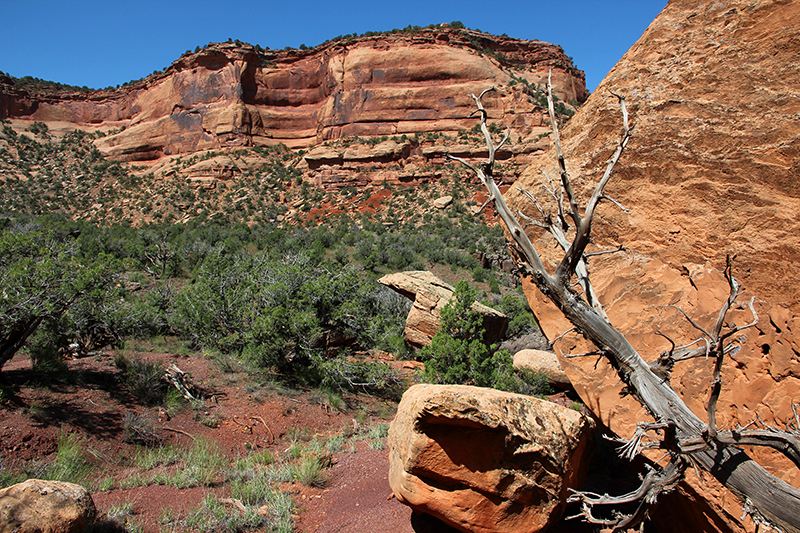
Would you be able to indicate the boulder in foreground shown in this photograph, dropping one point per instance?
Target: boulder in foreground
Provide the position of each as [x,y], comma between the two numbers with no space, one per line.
[38,506]
[486,461]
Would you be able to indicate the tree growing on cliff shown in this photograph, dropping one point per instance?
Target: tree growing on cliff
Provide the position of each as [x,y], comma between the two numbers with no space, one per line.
[687,440]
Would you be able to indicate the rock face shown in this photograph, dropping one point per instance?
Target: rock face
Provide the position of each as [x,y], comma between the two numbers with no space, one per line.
[713,168]
[37,506]
[430,294]
[234,94]
[486,461]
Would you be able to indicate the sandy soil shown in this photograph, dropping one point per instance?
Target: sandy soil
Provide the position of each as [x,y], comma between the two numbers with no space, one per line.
[93,402]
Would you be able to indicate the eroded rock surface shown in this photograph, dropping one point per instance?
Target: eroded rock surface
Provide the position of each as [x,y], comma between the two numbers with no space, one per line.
[233,94]
[713,168]
[38,506]
[486,461]
[430,294]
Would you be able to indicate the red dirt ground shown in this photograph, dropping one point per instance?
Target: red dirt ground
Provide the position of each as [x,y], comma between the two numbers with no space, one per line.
[93,402]
[92,405]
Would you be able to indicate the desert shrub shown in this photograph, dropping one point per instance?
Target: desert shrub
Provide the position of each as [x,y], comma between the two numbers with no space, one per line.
[277,312]
[143,379]
[458,352]
[533,383]
[140,429]
[45,348]
[70,463]
[311,471]
[365,376]
[47,284]
[520,316]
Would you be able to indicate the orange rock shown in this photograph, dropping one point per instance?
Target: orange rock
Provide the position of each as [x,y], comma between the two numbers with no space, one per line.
[430,294]
[486,461]
[37,505]
[229,95]
[711,169]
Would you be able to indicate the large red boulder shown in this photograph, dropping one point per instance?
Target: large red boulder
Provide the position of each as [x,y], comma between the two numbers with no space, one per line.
[713,168]
[486,461]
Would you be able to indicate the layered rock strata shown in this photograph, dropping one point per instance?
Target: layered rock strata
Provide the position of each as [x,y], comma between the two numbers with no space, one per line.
[234,94]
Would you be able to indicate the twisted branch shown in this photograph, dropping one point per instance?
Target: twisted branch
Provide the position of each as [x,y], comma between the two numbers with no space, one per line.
[688,439]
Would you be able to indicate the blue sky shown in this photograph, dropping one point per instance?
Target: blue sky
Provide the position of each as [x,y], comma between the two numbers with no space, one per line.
[108,42]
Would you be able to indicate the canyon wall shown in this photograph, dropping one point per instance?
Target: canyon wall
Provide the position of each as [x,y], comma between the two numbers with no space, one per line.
[233,94]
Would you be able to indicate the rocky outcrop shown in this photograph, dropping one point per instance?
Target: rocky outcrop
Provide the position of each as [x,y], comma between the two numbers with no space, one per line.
[430,294]
[712,169]
[486,461]
[38,506]
[233,94]
[543,362]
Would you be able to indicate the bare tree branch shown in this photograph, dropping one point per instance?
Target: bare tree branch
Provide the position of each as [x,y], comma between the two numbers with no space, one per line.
[688,439]
[658,481]
[562,166]
[584,226]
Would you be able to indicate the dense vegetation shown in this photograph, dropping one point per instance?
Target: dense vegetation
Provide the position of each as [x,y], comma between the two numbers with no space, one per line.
[41,173]
[293,302]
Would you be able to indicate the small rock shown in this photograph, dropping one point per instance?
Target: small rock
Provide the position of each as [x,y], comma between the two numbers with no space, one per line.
[442,202]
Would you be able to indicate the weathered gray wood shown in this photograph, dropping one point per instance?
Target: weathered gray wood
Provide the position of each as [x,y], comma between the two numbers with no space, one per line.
[763,495]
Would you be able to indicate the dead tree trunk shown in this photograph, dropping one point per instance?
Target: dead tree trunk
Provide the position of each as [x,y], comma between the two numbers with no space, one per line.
[687,439]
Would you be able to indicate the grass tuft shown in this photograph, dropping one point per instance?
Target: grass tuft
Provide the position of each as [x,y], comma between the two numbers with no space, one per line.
[70,463]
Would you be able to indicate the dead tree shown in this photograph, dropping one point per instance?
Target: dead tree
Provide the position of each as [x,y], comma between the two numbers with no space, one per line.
[686,439]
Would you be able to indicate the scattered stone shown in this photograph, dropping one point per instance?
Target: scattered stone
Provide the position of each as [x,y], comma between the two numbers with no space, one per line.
[442,202]
[38,506]
[486,461]
[544,363]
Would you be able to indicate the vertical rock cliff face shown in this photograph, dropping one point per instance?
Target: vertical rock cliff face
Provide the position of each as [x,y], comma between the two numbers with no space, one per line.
[713,168]
[231,95]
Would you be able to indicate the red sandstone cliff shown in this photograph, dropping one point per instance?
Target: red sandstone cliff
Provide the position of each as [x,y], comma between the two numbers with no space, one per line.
[713,168]
[232,94]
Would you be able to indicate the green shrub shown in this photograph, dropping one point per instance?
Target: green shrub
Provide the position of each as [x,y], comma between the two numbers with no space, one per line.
[70,463]
[311,472]
[458,352]
[365,376]
[52,292]
[143,379]
[520,317]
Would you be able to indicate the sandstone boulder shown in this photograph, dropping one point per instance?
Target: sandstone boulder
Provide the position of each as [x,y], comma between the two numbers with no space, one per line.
[38,506]
[712,169]
[543,362]
[486,461]
[430,294]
